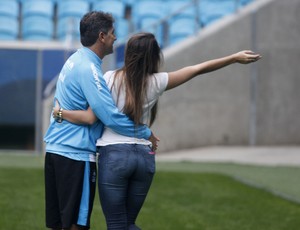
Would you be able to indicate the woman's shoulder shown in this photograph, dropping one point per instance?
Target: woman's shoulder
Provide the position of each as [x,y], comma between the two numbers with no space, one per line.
[109,75]
[159,77]
[160,74]
[158,82]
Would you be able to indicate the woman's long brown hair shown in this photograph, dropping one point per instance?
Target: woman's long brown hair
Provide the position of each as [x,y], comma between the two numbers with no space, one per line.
[142,59]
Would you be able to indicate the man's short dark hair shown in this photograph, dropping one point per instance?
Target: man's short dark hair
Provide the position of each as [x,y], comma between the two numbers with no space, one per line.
[91,24]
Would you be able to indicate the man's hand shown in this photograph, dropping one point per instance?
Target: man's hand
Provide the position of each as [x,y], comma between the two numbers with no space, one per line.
[154,140]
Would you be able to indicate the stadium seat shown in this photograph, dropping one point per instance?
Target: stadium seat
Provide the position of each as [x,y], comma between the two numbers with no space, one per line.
[181,28]
[184,9]
[58,1]
[9,28]
[37,28]
[152,25]
[115,7]
[183,23]
[245,2]
[69,14]
[147,9]
[129,3]
[122,29]
[9,8]
[43,8]
[74,8]
[68,28]
[212,10]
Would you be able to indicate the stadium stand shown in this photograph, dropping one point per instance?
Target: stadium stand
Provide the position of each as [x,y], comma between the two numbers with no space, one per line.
[62,17]
[69,14]
[149,24]
[129,3]
[245,2]
[9,22]
[147,15]
[182,22]
[182,9]
[9,8]
[37,20]
[121,29]
[115,7]
[212,10]
[9,28]
[118,9]
[43,8]
[74,8]
[147,9]
[68,28]
[37,28]
[181,28]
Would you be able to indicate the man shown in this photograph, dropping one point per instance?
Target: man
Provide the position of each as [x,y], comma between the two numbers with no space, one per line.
[70,168]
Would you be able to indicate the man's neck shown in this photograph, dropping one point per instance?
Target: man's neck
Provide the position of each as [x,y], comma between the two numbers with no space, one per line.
[98,51]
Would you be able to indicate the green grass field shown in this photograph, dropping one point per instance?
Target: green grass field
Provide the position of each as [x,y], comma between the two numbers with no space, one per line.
[183,196]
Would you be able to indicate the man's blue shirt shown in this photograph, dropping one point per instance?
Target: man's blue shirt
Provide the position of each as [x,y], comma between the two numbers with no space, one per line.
[79,86]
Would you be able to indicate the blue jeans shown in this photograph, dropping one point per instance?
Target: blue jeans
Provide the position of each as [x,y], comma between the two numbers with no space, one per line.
[125,176]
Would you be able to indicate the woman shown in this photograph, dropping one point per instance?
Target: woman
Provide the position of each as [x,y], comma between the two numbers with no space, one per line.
[126,165]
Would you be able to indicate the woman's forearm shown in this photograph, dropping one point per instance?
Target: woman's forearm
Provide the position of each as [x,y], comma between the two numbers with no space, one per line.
[80,117]
[187,73]
[215,64]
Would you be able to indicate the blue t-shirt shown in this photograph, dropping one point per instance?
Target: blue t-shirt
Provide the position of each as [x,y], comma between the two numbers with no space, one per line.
[79,86]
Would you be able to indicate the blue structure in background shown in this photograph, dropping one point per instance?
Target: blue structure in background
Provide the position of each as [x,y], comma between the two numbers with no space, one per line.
[18,71]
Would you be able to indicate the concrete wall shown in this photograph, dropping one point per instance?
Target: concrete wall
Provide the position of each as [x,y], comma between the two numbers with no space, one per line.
[255,104]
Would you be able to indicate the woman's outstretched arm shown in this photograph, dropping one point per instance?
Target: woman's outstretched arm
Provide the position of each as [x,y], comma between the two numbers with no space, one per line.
[185,74]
